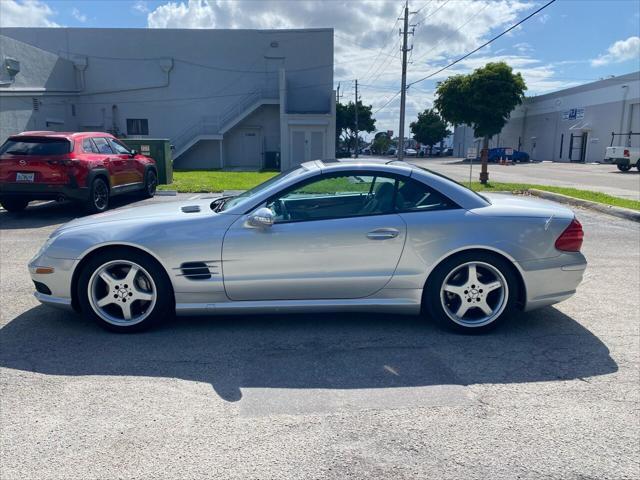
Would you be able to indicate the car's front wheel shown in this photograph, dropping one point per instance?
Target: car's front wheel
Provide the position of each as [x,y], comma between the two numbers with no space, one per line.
[14,204]
[124,291]
[471,292]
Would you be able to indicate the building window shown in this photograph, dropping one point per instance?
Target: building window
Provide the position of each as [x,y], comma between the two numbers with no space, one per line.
[137,126]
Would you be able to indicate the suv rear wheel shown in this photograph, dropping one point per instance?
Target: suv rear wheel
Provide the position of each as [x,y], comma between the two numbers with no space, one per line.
[150,184]
[624,167]
[98,196]
[14,204]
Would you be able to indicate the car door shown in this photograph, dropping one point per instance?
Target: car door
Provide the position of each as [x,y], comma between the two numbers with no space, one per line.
[334,237]
[115,164]
[134,172]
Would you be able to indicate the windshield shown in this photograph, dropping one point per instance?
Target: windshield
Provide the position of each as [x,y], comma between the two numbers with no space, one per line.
[226,203]
[36,146]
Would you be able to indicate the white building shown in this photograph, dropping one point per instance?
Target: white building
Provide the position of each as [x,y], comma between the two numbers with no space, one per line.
[571,125]
[224,98]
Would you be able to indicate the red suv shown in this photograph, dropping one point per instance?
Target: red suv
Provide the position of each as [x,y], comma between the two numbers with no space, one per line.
[87,167]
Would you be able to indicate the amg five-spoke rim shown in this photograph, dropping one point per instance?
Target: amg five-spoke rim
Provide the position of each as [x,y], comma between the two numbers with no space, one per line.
[474,294]
[121,292]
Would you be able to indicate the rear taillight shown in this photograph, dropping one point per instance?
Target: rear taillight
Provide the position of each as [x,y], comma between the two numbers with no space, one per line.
[626,153]
[571,239]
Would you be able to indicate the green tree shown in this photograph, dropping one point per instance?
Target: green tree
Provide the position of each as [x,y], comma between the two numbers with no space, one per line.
[346,122]
[484,99]
[381,143]
[429,129]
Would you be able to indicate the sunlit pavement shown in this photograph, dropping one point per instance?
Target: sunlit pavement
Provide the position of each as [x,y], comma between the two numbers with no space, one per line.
[552,394]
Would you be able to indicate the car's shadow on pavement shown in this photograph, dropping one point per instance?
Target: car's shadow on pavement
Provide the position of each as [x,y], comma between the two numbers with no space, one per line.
[43,214]
[328,351]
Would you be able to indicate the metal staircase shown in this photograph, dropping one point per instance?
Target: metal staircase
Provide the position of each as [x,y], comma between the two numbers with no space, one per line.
[213,127]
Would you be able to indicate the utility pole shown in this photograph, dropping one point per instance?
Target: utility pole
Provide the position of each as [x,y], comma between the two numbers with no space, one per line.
[356,107]
[403,91]
[338,93]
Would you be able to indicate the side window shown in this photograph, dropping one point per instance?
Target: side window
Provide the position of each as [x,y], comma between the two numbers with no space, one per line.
[88,146]
[103,145]
[137,126]
[335,196]
[416,196]
[118,148]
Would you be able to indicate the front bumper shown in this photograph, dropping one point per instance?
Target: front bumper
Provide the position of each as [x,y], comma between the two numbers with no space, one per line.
[58,283]
[552,280]
[43,191]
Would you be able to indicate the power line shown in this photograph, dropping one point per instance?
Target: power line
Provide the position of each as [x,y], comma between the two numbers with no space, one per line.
[422,57]
[430,13]
[483,45]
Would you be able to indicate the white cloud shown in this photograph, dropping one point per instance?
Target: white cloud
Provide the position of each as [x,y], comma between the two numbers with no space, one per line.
[26,13]
[78,15]
[619,52]
[544,18]
[141,6]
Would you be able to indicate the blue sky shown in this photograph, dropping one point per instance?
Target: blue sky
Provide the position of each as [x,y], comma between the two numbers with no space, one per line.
[569,43]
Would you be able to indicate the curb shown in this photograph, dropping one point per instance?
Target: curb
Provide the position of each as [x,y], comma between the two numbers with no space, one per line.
[619,212]
[166,193]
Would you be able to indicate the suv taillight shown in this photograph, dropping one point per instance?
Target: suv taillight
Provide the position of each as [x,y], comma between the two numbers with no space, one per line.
[571,239]
[626,153]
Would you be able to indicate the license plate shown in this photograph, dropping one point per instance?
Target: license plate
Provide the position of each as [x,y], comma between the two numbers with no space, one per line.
[25,177]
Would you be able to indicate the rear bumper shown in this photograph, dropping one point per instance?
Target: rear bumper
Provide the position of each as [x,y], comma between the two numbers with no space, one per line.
[552,280]
[43,191]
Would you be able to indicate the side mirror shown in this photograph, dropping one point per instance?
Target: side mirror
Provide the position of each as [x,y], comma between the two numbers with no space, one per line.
[133,152]
[263,217]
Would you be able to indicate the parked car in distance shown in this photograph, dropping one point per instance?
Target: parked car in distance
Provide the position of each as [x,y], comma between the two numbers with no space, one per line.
[410,152]
[85,167]
[324,236]
[623,157]
[496,154]
[391,151]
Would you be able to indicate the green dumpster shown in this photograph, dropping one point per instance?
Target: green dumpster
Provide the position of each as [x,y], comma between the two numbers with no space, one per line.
[157,148]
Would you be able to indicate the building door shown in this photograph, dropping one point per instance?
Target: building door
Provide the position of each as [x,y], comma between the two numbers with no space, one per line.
[307,144]
[578,147]
[251,148]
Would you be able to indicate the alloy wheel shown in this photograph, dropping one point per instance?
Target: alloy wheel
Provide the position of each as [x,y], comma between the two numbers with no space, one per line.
[122,293]
[474,294]
[100,195]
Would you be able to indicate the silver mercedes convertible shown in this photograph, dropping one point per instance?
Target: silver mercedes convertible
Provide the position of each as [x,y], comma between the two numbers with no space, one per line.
[325,236]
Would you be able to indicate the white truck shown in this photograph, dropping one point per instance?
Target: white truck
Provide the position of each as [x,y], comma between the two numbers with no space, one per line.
[623,157]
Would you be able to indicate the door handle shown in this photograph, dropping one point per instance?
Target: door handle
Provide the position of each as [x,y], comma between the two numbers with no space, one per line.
[383,234]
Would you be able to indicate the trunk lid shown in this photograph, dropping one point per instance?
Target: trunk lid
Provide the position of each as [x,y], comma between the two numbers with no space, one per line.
[505,205]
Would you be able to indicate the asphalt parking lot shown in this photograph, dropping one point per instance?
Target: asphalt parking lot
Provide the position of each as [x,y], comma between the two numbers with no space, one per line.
[552,394]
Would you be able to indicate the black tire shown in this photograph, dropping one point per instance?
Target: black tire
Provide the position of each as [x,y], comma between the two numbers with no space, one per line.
[434,304]
[164,308]
[624,168]
[150,184]
[98,196]
[14,205]
[638,165]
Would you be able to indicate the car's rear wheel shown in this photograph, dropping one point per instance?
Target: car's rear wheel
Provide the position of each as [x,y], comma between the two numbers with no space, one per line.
[624,168]
[98,196]
[124,291]
[638,165]
[150,184]
[14,204]
[471,292]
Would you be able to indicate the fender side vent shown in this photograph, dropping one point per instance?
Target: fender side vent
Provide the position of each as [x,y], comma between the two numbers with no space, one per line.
[191,208]
[197,270]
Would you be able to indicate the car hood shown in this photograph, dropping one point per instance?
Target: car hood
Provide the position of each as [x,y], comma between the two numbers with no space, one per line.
[167,211]
[505,205]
